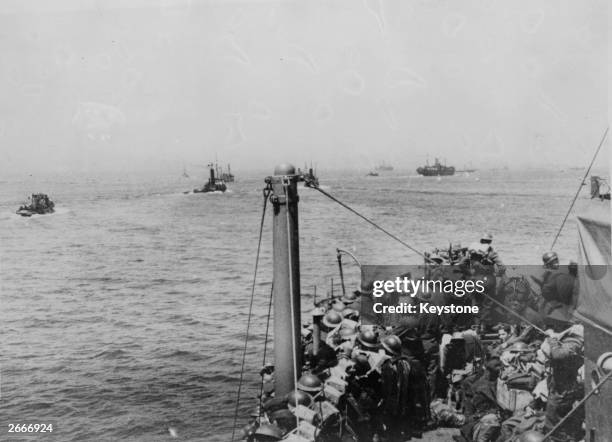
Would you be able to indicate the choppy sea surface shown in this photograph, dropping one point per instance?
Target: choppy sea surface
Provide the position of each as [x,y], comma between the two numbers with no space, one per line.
[124,313]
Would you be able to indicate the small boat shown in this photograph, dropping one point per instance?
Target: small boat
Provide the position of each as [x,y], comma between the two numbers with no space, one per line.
[372,173]
[39,204]
[214,184]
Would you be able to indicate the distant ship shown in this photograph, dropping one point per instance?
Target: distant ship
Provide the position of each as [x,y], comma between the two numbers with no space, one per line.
[228,177]
[214,184]
[39,204]
[384,167]
[437,169]
[372,173]
[600,188]
[310,178]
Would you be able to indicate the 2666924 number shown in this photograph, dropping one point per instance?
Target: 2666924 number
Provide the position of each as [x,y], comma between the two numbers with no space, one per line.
[30,428]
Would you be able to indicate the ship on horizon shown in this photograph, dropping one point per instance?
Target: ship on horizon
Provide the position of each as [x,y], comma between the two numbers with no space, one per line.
[228,176]
[384,167]
[438,169]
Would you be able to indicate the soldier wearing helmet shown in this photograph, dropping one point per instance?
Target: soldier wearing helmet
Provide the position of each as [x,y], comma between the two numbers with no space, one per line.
[392,345]
[367,340]
[565,351]
[490,254]
[326,356]
[398,405]
[558,286]
[481,400]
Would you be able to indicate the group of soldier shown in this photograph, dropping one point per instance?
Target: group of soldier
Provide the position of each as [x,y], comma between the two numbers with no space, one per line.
[510,373]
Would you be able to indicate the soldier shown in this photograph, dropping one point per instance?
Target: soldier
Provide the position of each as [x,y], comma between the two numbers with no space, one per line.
[557,286]
[564,349]
[491,255]
[397,405]
[483,264]
[418,388]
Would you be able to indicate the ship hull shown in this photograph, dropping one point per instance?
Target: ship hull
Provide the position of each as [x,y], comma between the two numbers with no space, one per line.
[447,171]
[30,212]
[211,188]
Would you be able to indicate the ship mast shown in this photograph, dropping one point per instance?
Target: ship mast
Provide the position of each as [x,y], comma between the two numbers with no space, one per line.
[286,279]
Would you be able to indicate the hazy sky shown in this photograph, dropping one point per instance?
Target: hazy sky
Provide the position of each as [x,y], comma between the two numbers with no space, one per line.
[100,85]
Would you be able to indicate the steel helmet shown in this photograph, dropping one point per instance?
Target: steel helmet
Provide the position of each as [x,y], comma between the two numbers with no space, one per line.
[347,333]
[368,339]
[270,431]
[350,313]
[310,382]
[332,319]
[531,436]
[362,365]
[550,257]
[487,238]
[338,306]
[392,344]
[350,297]
[299,397]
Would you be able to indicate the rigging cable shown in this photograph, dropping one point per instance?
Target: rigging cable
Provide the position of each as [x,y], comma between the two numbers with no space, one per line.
[310,184]
[580,187]
[266,193]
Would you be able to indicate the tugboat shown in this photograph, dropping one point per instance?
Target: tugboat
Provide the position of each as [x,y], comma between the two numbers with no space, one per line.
[438,169]
[213,185]
[40,204]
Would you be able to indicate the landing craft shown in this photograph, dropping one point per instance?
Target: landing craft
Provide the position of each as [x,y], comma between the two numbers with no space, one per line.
[39,204]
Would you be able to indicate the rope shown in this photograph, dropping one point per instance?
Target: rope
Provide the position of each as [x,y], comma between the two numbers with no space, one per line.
[372,223]
[265,348]
[266,193]
[339,256]
[562,421]
[293,337]
[580,187]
